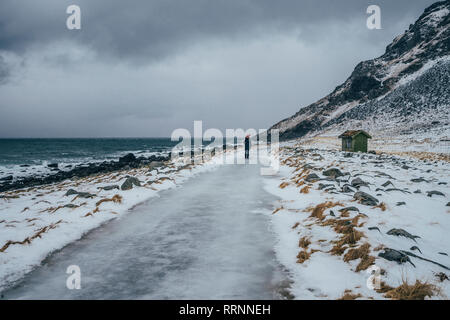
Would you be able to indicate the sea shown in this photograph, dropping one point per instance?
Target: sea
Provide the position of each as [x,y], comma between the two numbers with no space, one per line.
[25,157]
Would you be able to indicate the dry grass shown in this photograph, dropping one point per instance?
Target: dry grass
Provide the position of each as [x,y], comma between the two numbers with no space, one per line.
[381,205]
[28,240]
[362,253]
[296,225]
[304,242]
[277,209]
[116,199]
[417,291]
[317,211]
[283,185]
[303,256]
[305,189]
[348,295]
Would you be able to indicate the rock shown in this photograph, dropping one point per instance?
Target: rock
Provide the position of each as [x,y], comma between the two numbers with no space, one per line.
[53,165]
[394,255]
[346,188]
[109,188]
[396,189]
[405,167]
[71,206]
[365,199]
[387,183]
[312,177]
[402,203]
[7,178]
[441,276]
[418,191]
[71,192]
[402,233]
[375,228]
[323,186]
[358,182]
[333,172]
[349,209]
[443,253]
[442,183]
[448,204]
[417,180]
[415,248]
[129,182]
[127,158]
[332,213]
[371,152]
[85,195]
[434,192]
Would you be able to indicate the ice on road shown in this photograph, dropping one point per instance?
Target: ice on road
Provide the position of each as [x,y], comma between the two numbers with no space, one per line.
[209,239]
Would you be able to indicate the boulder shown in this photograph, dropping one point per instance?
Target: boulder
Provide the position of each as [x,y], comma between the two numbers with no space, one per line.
[365,198]
[395,255]
[358,182]
[402,233]
[129,182]
[333,172]
[434,192]
[71,192]
[312,177]
[127,158]
[109,188]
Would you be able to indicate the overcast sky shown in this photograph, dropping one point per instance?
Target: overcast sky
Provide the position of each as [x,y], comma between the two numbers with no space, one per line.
[142,68]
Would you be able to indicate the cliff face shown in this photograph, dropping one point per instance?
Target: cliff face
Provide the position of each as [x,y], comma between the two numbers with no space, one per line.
[409,79]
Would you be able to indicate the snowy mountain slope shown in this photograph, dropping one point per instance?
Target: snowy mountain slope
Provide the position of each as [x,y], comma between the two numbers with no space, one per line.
[415,67]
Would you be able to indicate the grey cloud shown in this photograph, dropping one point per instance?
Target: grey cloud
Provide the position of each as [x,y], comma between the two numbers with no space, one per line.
[146,30]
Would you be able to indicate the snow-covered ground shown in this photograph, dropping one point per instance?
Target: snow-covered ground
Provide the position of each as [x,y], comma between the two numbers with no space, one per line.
[325,250]
[208,239]
[328,249]
[37,221]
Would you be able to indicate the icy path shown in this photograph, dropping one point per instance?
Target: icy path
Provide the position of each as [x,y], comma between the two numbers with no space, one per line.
[209,239]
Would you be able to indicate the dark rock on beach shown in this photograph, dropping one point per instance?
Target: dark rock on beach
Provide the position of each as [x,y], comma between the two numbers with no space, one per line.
[333,172]
[365,198]
[402,233]
[128,161]
[395,255]
[129,183]
[436,193]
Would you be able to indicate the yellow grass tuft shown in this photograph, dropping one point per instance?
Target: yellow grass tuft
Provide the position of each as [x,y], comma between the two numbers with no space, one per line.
[304,242]
[317,211]
[303,256]
[381,205]
[283,185]
[116,199]
[305,189]
[417,291]
[348,295]
[360,253]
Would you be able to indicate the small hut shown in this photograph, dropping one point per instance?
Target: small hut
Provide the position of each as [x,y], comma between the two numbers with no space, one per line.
[355,140]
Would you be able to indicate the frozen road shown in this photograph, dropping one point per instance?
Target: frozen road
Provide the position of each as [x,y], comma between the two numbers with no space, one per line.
[208,239]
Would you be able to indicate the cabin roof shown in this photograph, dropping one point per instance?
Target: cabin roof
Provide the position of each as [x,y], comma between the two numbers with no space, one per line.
[353,133]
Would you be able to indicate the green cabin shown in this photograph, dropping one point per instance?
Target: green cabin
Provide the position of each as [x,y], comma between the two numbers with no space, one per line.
[355,140]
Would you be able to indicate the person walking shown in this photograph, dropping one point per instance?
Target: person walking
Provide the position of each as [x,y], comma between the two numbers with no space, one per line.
[247,146]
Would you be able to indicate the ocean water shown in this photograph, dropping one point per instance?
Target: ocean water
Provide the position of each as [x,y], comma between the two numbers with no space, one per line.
[23,157]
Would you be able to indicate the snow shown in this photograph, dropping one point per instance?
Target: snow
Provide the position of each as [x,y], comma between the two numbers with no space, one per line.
[207,239]
[327,276]
[24,213]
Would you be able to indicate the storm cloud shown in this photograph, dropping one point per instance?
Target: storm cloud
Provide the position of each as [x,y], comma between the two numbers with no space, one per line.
[146,67]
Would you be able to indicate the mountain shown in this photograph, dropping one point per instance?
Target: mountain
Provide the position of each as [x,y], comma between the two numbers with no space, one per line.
[405,90]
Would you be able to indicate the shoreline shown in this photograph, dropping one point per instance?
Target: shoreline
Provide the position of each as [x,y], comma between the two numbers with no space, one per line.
[39,220]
